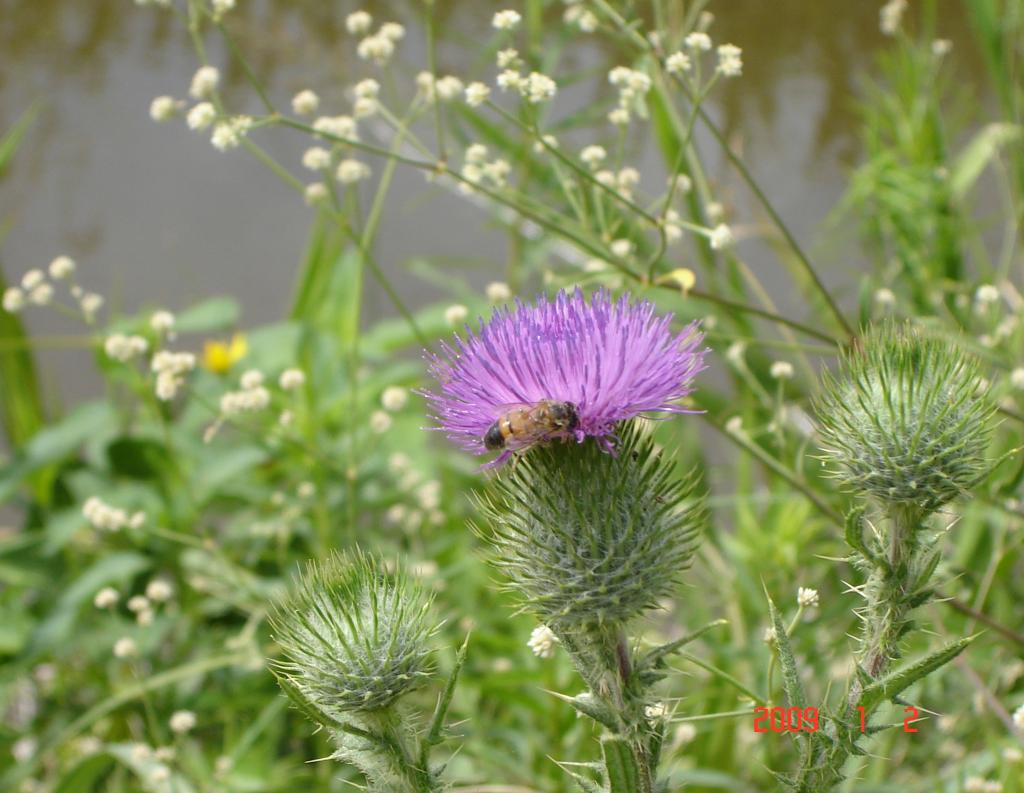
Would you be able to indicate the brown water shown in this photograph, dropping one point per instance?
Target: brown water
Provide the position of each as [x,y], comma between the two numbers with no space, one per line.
[155,216]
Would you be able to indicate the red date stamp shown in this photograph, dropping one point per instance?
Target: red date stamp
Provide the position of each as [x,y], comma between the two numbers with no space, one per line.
[806,719]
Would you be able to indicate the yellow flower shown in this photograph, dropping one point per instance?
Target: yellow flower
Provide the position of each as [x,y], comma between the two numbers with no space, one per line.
[219,356]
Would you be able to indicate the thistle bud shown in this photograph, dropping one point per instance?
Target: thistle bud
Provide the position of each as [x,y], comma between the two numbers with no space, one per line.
[904,422]
[591,538]
[355,638]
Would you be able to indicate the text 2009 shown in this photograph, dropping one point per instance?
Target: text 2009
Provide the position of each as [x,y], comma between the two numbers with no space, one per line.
[806,719]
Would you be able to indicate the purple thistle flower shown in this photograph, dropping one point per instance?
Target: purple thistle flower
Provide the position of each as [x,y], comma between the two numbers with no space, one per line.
[611,360]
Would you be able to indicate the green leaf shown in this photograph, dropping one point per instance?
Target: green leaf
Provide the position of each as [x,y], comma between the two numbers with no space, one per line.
[21,409]
[217,313]
[436,730]
[620,766]
[790,675]
[86,775]
[896,682]
[13,138]
[138,458]
[590,706]
[67,435]
[983,148]
[654,658]
[217,469]
[855,532]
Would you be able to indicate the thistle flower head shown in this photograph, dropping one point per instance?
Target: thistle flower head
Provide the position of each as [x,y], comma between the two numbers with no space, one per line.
[592,539]
[355,637]
[904,422]
[611,360]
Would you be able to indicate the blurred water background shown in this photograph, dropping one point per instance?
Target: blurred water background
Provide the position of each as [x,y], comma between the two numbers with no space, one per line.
[156,217]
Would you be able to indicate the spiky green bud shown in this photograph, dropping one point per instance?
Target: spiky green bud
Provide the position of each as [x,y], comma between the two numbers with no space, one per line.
[592,538]
[904,422]
[355,637]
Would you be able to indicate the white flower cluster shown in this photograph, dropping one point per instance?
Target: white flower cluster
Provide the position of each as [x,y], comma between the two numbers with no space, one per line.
[201,116]
[123,348]
[730,60]
[476,169]
[182,721]
[106,598]
[622,182]
[506,20]
[446,89]
[305,103]
[394,398]
[164,108]
[536,87]
[633,86]
[377,47]
[125,647]
[542,641]
[721,237]
[656,711]
[350,171]
[204,82]
[252,397]
[107,518]
[456,315]
[343,127]
[170,369]
[678,62]
[890,17]
[782,370]
[1018,718]
[36,290]
[498,292]
[162,322]
[579,15]
[806,597]
[228,134]
[221,7]
[291,379]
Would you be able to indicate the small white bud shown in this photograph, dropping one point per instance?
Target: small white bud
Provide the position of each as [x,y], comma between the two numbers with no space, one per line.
[305,103]
[380,422]
[291,379]
[542,641]
[164,108]
[106,598]
[477,93]
[61,268]
[394,398]
[698,41]
[204,82]
[351,171]
[806,597]
[506,20]
[498,292]
[721,237]
[358,22]
[125,647]
[14,300]
[182,721]
[456,315]
[159,590]
[781,370]
[316,158]
[201,116]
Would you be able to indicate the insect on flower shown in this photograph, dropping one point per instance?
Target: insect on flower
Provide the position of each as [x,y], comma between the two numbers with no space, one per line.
[570,367]
[523,425]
